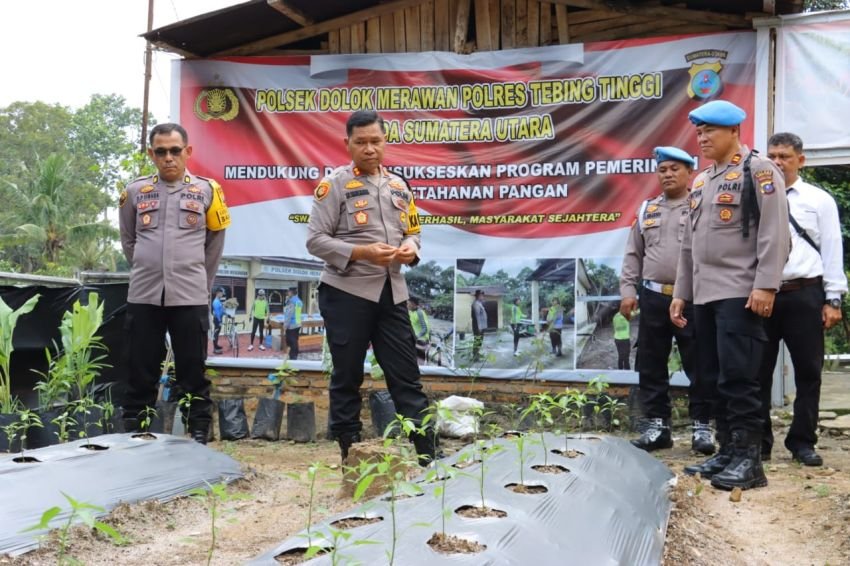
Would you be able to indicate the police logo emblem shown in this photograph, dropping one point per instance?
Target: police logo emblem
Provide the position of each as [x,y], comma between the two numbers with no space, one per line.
[192,205]
[194,189]
[725,214]
[122,198]
[216,104]
[699,183]
[353,184]
[732,175]
[705,80]
[725,198]
[652,208]
[146,189]
[146,219]
[649,222]
[192,219]
[361,217]
[361,203]
[322,190]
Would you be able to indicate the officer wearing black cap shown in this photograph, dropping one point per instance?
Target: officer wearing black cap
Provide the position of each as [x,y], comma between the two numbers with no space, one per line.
[649,272]
[735,246]
[365,226]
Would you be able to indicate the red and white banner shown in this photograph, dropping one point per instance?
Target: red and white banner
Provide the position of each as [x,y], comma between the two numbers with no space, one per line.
[543,152]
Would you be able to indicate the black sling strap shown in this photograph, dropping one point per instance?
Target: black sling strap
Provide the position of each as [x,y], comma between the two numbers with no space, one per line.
[799,229]
[749,206]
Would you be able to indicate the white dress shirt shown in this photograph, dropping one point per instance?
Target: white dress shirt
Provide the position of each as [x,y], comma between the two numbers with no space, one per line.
[816,212]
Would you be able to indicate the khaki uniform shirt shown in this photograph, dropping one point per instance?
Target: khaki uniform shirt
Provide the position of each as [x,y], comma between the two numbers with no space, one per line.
[350,209]
[173,257]
[716,261]
[652,250]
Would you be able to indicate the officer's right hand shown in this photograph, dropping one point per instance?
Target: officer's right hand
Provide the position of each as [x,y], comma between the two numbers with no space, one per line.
[677,307]
[628,306]
[378,253]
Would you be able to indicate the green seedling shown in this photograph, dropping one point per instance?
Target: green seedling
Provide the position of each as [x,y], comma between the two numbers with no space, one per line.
[541,408]
[20,428]
[317,471]
[185,404]
[80,512]
[148,415]
[63,422]
[213,497]
[8,320]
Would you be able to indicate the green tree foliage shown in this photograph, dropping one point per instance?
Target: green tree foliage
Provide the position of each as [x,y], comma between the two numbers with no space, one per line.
[818,5]
[60,170]
[434,286]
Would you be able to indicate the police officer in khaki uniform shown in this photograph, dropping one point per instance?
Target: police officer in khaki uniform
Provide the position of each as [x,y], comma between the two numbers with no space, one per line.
[649,271]
[364,225]
[734,249]
[172,232]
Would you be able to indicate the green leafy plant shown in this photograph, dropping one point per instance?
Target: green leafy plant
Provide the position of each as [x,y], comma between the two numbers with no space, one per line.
[64,421]
[541,408]
[148,415]
[20,428]
[8,320]
[213,497]
[316,472]
[185,404]
[55,384]
[80,512]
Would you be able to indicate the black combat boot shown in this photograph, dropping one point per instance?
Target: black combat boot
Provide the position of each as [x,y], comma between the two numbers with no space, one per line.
[345,440]
[702,439]
[657,435]
[716,463]
[200,432]
[745,469]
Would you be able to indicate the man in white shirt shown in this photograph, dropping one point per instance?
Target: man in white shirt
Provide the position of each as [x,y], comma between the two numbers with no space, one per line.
[808,301]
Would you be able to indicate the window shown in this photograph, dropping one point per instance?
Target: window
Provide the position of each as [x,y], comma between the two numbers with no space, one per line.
[233,287]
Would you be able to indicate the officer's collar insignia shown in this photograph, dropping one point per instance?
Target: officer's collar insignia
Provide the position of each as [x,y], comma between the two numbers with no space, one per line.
[732,175]
[322,190]
[356,171]
[361,217]
[155,179]
[725,214]
[187,179]
[725,198]
[693,204]
[736,159]
[355,184]
[146,189]
[194,189]
[360,203]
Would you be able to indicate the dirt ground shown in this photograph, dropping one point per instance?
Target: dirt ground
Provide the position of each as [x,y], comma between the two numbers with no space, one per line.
[600,352]
[801,518]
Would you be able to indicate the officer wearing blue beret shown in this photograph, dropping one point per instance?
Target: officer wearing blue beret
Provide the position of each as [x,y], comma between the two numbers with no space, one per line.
[735,245]
[649,271]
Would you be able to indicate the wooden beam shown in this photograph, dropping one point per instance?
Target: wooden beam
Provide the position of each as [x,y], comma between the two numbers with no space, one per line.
[319,28]
[400,38]
[482,25]
[461,26]
[387,33]
[533,23]
[521,30]
[412,29]
[579,30]
[291,12]
[545,23]
[345,39]
[333,41]
[426,24]
[563,24]
[165,46]
[592,16]
[666,12]
[495,9]
[628,31]
[373,35]
[508,24]
[442,34]
[679,29]
[358,38]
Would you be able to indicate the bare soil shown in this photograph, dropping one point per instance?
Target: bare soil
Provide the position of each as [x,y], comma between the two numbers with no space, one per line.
[801,517]
[450,544]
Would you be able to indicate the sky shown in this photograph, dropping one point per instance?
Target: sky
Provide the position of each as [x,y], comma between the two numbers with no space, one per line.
[61,51]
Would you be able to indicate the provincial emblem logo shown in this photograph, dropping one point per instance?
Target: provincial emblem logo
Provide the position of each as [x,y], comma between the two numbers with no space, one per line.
[216,104]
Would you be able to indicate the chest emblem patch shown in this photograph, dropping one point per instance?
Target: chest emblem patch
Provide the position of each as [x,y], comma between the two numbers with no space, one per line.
[361,203]
[361,217]
[725,214]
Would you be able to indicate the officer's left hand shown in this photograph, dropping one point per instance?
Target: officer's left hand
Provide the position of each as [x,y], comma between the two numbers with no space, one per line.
[405,254]
[761,302]
[831,316]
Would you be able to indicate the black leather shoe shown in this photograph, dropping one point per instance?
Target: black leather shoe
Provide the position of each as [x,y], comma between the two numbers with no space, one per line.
[807,457]
[656,436]
[345,441]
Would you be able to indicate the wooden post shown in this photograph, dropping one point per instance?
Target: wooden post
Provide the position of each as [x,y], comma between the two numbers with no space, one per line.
[461,26]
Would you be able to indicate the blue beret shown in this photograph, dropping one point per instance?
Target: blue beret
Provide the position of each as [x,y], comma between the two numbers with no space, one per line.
[670,153]
[717,113]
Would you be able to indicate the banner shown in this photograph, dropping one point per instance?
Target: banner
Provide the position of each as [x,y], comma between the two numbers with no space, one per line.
[527,162]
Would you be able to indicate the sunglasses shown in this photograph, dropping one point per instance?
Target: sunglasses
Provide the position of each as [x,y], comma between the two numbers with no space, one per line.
[162,151]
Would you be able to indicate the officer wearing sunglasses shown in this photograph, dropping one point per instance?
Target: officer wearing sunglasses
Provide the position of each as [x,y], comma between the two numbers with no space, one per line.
[172,233]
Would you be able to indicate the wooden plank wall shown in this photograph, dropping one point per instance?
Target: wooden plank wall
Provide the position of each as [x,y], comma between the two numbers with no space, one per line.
[464,26]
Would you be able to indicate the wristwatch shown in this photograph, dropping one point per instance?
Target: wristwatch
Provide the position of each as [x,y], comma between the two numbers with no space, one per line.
[834,303]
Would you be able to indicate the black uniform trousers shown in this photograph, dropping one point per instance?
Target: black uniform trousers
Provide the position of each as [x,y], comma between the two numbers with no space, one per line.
[655,340]
[188,327]
[292,342]
[258,324]
[731,343]
[797,319]
[351,323]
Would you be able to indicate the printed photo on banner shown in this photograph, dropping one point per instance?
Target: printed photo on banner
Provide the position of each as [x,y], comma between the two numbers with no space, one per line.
[605,340]
[431,285]
[515,314]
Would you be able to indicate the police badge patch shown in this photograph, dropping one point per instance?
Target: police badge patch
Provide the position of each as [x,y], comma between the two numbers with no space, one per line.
[322,190]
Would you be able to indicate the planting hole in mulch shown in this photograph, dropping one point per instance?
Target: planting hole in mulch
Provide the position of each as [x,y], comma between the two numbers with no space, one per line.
[527,489]
[95,447]
[402,496]
[550,469]
[475,512]
[297,555]
[450,544]
[570,453]
[465,464]
[144,436]
[25,460]
[512,434]
[354,522]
